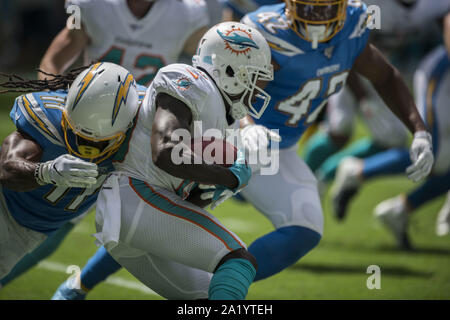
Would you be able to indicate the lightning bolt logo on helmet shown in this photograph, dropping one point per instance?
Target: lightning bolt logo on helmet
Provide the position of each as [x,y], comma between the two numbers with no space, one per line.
[85,82]
[122,94]
[238,40]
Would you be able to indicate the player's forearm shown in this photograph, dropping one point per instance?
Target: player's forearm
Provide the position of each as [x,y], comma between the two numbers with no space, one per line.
[63,52]
[398,98]
[201,173]
[356,86]
[18,175]
[19,157]
[54,63]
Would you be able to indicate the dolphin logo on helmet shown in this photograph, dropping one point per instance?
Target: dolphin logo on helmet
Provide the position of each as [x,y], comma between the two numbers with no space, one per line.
[239,40]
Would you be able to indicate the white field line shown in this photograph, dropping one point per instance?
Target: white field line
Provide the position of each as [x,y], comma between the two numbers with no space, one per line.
[117,281]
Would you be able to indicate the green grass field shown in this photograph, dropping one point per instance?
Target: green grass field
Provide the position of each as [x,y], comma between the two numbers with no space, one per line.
[336,269]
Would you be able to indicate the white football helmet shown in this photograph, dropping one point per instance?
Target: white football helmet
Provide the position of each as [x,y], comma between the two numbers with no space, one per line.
[100,107]
[236,56]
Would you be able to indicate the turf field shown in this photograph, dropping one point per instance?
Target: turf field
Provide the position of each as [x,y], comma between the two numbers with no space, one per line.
[336,269]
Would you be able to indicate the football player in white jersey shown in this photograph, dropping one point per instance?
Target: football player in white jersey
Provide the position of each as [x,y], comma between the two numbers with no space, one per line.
[140,35]
[145,217]
[400,21]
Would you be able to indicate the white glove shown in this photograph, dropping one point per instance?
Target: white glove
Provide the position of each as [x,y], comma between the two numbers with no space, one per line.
[209,192]
[421,156]
[68,171]
[256,137]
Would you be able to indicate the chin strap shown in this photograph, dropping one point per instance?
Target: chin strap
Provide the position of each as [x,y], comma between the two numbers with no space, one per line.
[237,109]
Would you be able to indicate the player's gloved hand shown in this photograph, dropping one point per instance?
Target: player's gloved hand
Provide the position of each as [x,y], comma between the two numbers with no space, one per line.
[421,154]
[219,194]
[255,137]
[68,171]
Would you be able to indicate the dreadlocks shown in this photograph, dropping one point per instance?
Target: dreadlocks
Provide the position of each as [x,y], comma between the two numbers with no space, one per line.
[16,83]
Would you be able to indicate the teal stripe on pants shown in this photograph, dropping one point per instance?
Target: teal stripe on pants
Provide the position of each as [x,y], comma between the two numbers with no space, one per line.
[159,201]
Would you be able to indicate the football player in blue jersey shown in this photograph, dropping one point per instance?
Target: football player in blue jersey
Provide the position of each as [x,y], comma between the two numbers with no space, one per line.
[416,30]
[314,44]
[53,165]
[432,87]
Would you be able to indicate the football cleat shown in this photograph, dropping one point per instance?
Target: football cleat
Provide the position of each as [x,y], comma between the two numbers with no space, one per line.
[393,214]
[66,292]
[443,219]
[345,185]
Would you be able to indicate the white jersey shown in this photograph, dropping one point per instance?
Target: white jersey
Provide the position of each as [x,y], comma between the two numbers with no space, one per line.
[140,45]
[200,94]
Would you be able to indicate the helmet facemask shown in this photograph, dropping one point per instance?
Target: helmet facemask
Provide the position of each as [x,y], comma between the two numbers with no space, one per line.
[240,89]
[88,147]
[316,20]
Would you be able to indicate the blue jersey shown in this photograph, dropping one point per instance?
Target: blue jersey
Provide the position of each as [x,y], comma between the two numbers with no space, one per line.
[48,207]
[307,77]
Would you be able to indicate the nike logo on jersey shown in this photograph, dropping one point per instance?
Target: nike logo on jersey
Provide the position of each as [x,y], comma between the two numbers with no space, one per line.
[192,74]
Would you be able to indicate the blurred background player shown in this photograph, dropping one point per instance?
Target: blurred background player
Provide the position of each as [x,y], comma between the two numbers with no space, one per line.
[140,35]
[409,29]
[432,87]
[145,216]
[353,171]
[314,44]
[53,165]
[236,9]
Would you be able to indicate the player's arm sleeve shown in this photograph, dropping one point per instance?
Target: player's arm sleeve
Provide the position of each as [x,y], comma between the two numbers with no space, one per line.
[30,119]
[183,87]
[361,20]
